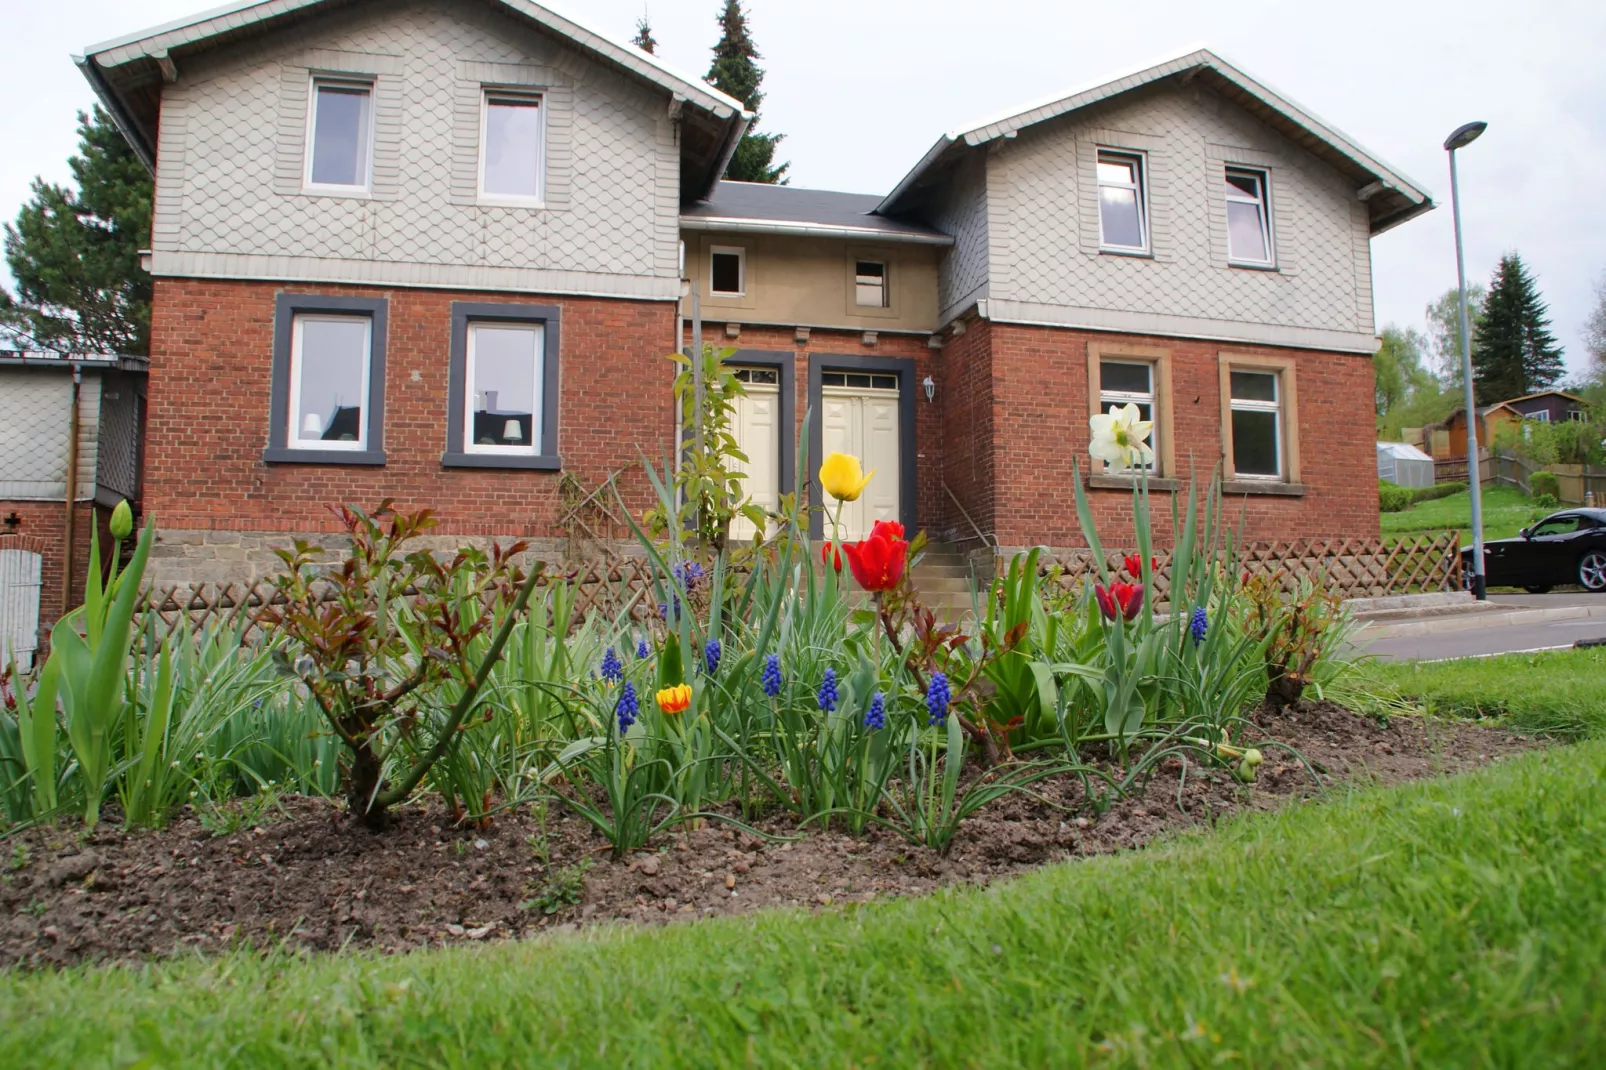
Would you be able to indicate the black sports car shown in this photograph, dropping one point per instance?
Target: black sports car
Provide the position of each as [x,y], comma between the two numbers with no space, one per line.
[1564,547]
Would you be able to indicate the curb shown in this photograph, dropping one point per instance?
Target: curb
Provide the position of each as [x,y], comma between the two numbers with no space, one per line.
[1514,618]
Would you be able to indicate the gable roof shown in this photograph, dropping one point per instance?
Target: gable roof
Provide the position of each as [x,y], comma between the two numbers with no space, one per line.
[1544,394]
[1391,197]
[127,73]
[760,208]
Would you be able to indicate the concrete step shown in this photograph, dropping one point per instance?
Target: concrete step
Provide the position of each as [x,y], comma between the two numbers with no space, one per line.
[942,572]
[931,585]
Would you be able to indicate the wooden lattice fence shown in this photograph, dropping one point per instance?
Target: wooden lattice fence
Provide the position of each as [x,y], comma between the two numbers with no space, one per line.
[1353,568]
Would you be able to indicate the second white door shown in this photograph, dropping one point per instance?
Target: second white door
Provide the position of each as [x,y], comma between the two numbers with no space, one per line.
[860,417]
[757,423]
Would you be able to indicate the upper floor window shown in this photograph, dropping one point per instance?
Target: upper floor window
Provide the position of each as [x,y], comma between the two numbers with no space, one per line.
[727,270]
[339,135]
[870,283]
[513,149]
[1124,383]
[1257,425]
[1123,209]
[330,366]
[1248,220]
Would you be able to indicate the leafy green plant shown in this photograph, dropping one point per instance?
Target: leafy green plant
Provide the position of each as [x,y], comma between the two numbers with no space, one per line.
[1393,498]
[1543,485]
[563,888]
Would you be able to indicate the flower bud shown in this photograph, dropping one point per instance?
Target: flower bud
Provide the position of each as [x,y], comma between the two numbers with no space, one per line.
[122,522]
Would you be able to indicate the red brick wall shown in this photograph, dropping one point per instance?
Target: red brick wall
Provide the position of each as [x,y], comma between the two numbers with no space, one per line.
[965,395]
[43,529]
[929,438]
[211,362]
[1040,405]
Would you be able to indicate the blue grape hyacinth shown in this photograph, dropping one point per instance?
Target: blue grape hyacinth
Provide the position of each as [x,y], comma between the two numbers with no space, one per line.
[711,655]
[771,679]
[938,695]
[1199,625]
[828,691]
[627,707]
[875,718]
[612,670]
[641,650]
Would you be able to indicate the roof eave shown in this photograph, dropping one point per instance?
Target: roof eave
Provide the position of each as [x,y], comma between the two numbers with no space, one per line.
[131,130]
[735,225]
[916,172]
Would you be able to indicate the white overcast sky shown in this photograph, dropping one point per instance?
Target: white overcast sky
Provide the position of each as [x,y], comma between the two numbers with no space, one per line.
[862,88]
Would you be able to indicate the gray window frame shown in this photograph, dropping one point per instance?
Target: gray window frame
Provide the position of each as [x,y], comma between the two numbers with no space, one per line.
[465,312]
[285,309]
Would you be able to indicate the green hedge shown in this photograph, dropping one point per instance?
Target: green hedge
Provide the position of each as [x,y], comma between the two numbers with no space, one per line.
[1544,483]
[1393,498]
[1438,490]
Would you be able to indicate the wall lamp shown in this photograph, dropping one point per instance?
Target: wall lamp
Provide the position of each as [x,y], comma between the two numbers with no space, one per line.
[930,386]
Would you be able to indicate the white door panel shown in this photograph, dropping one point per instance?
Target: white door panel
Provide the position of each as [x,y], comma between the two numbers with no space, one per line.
[756,422]
[865,424]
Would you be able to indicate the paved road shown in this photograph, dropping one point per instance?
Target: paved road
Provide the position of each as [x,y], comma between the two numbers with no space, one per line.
[1500,640]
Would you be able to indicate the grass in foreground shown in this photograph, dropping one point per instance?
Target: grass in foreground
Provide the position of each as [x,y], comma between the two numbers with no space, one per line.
[1559,692]
[1505,510]
[1452,923]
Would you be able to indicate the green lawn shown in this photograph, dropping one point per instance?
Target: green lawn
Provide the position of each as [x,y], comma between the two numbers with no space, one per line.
[1505,510]
[1562,692]
[1460,922]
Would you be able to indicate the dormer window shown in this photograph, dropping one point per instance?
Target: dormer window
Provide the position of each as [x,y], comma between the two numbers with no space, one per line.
[1123,208]
[513,149]
[339,136]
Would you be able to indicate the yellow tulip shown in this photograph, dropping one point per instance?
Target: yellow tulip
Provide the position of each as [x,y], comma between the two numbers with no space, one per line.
[843,478]
[675,699]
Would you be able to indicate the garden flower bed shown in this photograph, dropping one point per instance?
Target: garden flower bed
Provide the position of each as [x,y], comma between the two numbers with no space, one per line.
[307,878]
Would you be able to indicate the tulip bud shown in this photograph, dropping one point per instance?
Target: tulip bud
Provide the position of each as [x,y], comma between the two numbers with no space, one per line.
[1246,768]
[122,522]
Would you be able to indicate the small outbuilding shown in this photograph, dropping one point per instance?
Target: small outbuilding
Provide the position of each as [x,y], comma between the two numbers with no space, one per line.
[1404,464]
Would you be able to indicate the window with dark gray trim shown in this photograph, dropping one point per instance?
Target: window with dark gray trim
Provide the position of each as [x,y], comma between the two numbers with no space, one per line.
[502,387]
[327,398]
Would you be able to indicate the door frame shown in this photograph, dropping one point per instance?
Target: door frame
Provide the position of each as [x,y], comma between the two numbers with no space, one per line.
[904,369]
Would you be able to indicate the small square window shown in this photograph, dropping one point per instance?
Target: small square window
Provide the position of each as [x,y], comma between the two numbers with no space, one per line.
[1123,211]
[1124,383]
[726,270]
[330,359]
[339,135]
[513,149]
[1256,425]
[870,283]
[1248,220]
[506,372]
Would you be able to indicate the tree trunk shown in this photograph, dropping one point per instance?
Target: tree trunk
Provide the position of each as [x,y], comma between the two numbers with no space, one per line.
[363,795]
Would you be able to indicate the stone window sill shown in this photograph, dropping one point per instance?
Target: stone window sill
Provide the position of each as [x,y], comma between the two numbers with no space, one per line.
[1263,486]
[285,455]
[543,463]
[1108,482]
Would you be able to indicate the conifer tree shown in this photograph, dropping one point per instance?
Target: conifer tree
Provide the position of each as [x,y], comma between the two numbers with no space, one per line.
[1513,351]
[736,73]
[75,255]
[644,39]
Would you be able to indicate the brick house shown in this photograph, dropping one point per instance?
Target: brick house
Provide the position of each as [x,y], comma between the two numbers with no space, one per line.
[438,252]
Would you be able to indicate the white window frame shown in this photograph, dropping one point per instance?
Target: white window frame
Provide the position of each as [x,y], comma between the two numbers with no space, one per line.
[365,187]
[1263,202]
[1541,415]
[1123,397]
[1141,160]
[886,296]
[488,96]
[741,270]
[1275,407]
[293,439]
[537,430]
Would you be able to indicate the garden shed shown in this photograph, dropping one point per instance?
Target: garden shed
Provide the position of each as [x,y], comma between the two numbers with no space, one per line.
[1404,464]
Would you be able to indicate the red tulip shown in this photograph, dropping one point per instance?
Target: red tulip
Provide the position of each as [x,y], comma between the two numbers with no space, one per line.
[1119,599]
[878,562]
[1134,564]
[830,556]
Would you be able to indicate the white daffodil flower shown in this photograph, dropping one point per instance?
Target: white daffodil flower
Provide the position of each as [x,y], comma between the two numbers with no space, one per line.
[1119,437]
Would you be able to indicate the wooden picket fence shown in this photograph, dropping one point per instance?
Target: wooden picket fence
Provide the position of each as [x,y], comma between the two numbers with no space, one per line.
[1352,568]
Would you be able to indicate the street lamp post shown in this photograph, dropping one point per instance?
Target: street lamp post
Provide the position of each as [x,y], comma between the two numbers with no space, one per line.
[1460,138]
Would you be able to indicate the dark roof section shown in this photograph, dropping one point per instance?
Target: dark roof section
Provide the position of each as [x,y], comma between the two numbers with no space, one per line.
[759,208]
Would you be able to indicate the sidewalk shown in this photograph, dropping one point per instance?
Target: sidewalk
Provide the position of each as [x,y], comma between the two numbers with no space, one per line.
[1447,626]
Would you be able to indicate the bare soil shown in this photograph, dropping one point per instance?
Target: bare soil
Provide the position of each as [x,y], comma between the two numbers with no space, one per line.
[307,878]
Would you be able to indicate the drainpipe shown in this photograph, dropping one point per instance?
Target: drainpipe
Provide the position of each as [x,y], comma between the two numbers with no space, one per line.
[72,491]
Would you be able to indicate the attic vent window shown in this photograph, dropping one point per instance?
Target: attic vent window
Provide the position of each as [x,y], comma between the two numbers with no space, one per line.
[339,135]
[870,283]
[726,264]
[1123,203]
[513,150]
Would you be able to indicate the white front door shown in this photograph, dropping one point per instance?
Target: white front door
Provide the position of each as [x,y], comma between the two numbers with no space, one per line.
[757,425]
[859,413]
[20,572]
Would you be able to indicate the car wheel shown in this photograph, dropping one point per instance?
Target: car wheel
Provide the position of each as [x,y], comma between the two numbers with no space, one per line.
[1592,570]
[1543,589]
